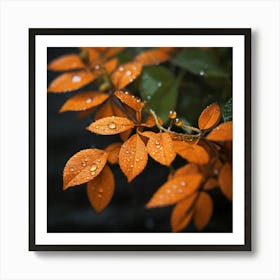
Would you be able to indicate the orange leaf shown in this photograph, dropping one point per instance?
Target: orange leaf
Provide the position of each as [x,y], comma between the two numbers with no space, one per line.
[111,65]
[187,169]
[93,55]
[223,132]
[126,74]
[160,148]
[66,63]
[133,157]
[182,213]
[70,81]
[150,122]
[110,125]
[83,114]
[175,190]
[130,100]
[83,167]
[203,211]
[100,190]
[113,51]
[113,152]
[106,110]
[210,184]
[152,57]
[210,116]
[225,180]
[83,101]
[192,153]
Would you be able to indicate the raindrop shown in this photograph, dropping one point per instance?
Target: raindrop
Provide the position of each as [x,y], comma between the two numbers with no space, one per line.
[201,73]
[131,165]
[159,84]
[168,191]
[131,80]
[87,177]
[138,101]
[76,79]
[149,97]
[216,171]
[158,146]
[97,67]
[89,100]
[126,92]
[84,164]
[127,152]
[99,160]
[93,167]
[112,125]
[99,195]
[183,183]
[121,68]
[128,73]
[157,142]
[137,160]
[71,169]
[180,191]
[92,173]
[100,190]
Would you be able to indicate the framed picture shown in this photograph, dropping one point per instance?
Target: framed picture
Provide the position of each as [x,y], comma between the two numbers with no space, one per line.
[140,139]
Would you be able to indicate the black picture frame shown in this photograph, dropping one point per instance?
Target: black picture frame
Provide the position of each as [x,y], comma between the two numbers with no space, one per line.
[246,32]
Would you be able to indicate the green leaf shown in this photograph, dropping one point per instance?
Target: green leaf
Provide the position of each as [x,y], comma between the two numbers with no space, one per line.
[227,110]
[160,88]
[199,62]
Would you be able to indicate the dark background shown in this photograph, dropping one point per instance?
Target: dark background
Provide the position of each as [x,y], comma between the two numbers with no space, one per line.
[70,210]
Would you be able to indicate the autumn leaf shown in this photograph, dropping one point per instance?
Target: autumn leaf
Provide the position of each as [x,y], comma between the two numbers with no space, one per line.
[83,101]
[111,65]
[192,153]
[187,169]
[209,117]
[70,81]
[83,167]
[133,157]
[110,125]
[182,213]
[223,132]
[113,152]
[175,190]
[130,100]
[203,211]
[160,148]
[66,63]
[100,190]
[210,184]
[225,180]
[151,57]
[126,74]
[150,122]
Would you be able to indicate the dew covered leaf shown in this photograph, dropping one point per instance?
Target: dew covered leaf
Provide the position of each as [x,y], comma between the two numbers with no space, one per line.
[113,152]
[191,152]
[110,125]
[126,74]
[133,157]
[175,190]
[160,148]
[83,101]
[199,62]
[190,168]
[227,110]
[70,81]
[203,210]
[83,167]
[130,100]
[101,189]
[209,117]
[159,87]
[66,63]
[222,132]
[182,213]
[225,180]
